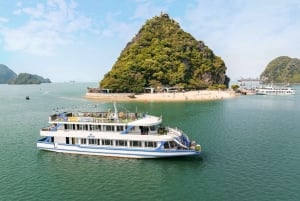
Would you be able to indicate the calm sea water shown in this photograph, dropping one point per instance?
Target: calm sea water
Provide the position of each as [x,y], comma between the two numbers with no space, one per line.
[251,151]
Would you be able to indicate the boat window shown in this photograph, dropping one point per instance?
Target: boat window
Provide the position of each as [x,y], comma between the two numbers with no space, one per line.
[107,142]
[135,143]
[68,126]
[110,128]
[144,130]
[83,141]
[92,141]
[95,127]
[150,144]
[172,144]
[166,145]
[121,143]
[153,128]
[120,128]
[79,127]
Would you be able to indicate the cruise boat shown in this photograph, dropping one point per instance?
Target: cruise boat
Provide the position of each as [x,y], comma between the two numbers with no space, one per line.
[117,134]
[278,91]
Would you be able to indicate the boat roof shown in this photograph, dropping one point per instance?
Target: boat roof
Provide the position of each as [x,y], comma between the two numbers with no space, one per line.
[148,120]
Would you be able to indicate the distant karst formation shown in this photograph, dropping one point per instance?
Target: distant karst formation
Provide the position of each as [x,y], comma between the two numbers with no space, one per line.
[26,78]
[162,54]
[282,69]
[7,76]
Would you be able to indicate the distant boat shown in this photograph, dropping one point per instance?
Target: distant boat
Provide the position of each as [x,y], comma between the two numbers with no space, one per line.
[277,91]
[27,98]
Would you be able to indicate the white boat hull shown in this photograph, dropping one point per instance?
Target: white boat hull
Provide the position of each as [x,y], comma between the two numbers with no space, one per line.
[115,152]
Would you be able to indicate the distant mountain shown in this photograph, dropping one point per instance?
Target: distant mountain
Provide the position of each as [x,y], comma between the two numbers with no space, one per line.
[26,78]
[6,74]
[282,69]
[162,54]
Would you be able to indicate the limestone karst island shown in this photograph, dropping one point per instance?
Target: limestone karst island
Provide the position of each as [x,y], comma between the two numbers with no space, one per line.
[282,69]
[8,76]
[164,63]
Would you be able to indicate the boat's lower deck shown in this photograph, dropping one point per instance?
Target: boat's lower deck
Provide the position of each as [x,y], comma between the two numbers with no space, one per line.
[117,151]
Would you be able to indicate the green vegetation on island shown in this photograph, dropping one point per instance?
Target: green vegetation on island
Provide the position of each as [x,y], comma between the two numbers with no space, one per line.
[26,78]
[6,74]
[162,54]
[282,69]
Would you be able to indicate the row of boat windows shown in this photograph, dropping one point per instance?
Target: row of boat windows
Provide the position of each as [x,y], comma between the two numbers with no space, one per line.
[278,92]
[108,142]
[99,127]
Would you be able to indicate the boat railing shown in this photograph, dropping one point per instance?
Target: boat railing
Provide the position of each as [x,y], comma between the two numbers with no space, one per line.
[98,117]
[49,128]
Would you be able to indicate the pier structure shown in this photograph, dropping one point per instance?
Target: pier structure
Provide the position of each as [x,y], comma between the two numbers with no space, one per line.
[249,83]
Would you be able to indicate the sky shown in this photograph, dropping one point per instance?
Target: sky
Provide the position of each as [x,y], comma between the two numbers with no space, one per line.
[80,40]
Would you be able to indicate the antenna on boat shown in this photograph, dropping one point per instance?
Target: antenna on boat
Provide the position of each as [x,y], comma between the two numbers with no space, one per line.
[116,111]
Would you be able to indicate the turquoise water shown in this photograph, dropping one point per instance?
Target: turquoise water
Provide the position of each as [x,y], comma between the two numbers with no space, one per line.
[251,151]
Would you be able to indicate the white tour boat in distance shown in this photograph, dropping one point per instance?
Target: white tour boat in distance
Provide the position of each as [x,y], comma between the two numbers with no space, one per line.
[277,91]
[117,134]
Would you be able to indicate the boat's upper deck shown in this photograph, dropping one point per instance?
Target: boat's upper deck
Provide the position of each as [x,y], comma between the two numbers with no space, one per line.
[105,117]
